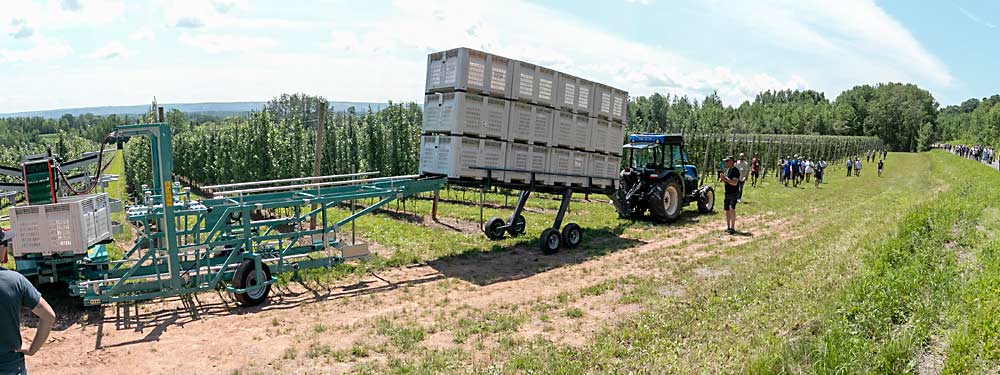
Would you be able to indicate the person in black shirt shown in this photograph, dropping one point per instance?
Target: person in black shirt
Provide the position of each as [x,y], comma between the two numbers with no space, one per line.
[732,180]
[880,166]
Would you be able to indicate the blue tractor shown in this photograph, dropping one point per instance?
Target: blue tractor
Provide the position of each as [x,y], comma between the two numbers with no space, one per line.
[658,179]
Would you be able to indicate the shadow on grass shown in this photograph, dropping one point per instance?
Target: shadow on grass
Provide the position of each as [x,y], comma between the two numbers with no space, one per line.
[525,258]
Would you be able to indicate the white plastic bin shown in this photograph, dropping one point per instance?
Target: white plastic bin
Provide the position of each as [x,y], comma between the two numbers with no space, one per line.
[531,123]
[610,103]
[453,156]
[574,94]
[606,167]
[459,113]
[607,136]
[569,162]
[573,131]
[530,158]
[469,70]
[71,226]
[533,84]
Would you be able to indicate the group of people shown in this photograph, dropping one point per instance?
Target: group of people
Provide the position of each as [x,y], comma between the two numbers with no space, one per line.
[794,169]
[978,153]
[797,170]
[854,165]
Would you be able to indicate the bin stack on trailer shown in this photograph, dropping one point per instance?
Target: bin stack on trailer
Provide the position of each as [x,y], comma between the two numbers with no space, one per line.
[494,121]
[484,110]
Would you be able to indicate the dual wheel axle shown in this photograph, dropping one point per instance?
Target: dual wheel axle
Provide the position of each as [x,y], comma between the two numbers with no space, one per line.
[551,239]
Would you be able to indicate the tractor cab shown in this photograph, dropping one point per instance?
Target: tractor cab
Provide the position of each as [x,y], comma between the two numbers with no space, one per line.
[657,154]
[659,178]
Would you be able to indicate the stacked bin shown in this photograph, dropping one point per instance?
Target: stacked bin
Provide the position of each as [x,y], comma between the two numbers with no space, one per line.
[486,110]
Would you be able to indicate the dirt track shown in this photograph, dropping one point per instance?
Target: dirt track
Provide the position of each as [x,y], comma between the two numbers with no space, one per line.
[214,336]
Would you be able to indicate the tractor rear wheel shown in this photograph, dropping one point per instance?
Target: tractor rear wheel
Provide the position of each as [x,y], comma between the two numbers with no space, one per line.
[665,202]
[245,277]
[706,202]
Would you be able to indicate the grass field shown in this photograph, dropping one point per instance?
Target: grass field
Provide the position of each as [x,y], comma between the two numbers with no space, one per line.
[888,274]
[862,275]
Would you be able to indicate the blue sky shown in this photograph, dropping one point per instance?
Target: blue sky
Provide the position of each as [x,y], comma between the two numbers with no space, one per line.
[77,53]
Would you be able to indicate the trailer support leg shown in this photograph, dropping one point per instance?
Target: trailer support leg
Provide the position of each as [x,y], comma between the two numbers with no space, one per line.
[563,207]
[519,208]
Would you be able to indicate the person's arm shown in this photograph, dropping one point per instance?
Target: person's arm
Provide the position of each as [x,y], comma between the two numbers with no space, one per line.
[46,318]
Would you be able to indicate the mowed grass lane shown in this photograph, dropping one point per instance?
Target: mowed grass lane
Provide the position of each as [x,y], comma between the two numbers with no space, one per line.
[761,296]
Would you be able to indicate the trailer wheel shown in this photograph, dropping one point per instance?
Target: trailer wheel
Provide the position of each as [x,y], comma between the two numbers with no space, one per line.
[517,226]
[706,203]
[494,229]
[665,202]
[572,235]
[550,241]
[245,277]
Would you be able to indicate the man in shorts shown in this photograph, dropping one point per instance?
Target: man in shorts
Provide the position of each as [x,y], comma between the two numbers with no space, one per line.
[731,177]
[16,292]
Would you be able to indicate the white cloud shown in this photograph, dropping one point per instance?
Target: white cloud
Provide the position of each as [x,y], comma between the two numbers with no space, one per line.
[851,40]
[63,14]
[42,49]
[217,43]
[143,34]
[111,50]
[976,18]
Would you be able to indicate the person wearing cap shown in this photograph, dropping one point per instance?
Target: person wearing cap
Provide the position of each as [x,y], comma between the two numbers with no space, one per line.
[731,177]
[17,293]
[744,169]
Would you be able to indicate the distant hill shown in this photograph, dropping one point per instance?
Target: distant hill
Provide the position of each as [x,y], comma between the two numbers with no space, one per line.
[215,109]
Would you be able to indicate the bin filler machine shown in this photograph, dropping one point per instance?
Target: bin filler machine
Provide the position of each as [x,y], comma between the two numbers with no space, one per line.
[236,240]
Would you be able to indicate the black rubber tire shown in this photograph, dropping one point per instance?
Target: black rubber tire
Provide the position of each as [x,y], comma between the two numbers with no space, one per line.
[550,241]
[244,278]
[494,229]
[572,235]
[518,226]
[706,203]
[665,202]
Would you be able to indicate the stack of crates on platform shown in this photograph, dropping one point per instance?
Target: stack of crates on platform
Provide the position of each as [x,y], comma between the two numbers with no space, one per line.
[71,226]
[485,110]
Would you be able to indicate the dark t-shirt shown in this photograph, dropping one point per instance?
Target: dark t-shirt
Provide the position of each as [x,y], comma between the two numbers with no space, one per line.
[16,293]
[732,192]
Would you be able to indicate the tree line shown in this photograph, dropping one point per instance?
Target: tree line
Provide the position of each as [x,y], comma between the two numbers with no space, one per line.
[904,116]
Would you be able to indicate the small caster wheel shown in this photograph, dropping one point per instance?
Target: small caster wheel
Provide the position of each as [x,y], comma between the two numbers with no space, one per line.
[550,241]
[517,226]
[572,235]
[494,229]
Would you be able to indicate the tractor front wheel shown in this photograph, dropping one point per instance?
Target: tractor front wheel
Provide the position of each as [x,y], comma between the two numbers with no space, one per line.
[665,202]
[706,202]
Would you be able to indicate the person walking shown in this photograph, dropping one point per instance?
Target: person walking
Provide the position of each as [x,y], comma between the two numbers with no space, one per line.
[17,293]
[880,166]
[857,167]
[820,166]
[850,166]
[787,171]
[731,177]
[744,169]
[780,170]
[754,170]
[808,169]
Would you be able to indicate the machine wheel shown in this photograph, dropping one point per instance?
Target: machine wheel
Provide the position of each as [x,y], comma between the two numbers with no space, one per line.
[517,226]
[494,229]
[665,202]
[706,203]
[245,277]
[550,241]
[572,235]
